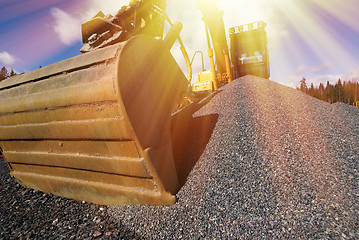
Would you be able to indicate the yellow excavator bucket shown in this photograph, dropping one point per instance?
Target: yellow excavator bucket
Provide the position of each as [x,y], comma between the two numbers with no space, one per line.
[96,127]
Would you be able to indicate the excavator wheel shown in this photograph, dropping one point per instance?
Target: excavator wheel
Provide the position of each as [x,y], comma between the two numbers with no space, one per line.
[96,127]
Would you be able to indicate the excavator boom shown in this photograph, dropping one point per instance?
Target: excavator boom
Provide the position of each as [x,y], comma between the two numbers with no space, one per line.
[213,19]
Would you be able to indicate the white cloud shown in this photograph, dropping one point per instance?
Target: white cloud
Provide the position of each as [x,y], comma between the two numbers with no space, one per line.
[351,76]
[66,26]
[106,6]
[321,67]
[301,69]
[6,58]
[293,80]
[313,69]
[290,81]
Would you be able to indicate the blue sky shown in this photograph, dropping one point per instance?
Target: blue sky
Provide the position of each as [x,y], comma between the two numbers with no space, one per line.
[315,39]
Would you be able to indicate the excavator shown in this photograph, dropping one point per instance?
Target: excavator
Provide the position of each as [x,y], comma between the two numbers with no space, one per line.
[96,127]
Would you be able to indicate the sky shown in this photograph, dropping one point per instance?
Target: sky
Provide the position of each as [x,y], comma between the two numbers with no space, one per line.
[315,39]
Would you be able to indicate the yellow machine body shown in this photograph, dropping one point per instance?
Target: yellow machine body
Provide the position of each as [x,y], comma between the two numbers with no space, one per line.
[96,127]
[204,82]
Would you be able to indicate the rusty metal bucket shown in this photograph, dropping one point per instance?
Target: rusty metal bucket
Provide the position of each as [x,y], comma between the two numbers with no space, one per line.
[96,127]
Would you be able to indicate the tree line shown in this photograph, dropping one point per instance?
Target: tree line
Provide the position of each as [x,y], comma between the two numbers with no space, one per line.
[4,73]
[346,92]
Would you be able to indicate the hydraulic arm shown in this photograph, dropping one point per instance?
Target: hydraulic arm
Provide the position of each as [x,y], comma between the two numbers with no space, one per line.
[213,19]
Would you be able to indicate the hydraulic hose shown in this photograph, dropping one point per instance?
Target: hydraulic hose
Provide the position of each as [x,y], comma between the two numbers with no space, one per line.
[182,47]
[186,58]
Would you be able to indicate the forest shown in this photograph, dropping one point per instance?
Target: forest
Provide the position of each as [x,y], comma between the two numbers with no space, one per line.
[346,92]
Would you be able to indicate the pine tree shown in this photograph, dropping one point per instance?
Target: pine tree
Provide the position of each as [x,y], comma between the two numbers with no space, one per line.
[303,85]
[339,89]
[328,92]
[321,92]
[311,90]
[12,73]
[3,73]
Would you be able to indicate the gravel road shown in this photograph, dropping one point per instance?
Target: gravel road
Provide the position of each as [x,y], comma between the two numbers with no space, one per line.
[279,164]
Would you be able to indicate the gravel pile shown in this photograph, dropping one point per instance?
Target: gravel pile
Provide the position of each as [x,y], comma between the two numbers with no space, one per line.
[278,165]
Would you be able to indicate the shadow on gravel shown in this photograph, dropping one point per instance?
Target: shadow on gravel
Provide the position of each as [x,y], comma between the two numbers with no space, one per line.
[29,214]
[190,136]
